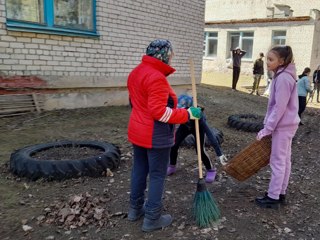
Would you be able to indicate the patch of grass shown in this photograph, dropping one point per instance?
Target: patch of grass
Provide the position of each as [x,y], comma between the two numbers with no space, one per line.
[9,194]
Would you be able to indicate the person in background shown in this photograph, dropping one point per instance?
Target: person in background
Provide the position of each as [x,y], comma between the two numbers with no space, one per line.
[269,79]
[258,71]
[316,81]
[303,85]
[185,101]
[237,54]
[151,131]
[281,121]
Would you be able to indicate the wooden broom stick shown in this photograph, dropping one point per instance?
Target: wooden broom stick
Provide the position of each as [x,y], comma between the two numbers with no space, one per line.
[195,104]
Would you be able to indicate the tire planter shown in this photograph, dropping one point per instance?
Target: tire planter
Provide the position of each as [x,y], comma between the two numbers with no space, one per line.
[23,164]
[189,141]
[246,122]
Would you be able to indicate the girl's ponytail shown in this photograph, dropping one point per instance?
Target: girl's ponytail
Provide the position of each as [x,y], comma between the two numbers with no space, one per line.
[284,52]
[305,72]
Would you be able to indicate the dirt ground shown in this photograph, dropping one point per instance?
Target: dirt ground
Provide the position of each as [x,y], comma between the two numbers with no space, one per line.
[22,202]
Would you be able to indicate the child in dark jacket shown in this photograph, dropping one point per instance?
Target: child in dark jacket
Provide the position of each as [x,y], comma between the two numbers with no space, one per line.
[188,128]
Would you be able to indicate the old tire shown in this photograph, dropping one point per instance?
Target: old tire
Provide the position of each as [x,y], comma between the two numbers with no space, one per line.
[246,122]
[189,141]
[23,164]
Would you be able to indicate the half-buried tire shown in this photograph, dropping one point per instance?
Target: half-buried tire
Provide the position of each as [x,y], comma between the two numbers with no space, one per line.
[23,162]
[246,122]
[189,141]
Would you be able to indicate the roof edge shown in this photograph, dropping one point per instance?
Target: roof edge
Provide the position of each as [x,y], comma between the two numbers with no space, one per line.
[261,20]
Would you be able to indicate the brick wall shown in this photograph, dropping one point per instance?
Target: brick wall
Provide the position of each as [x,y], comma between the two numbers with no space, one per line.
[125,27]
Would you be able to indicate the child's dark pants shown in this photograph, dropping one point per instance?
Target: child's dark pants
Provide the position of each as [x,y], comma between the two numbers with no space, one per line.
[183,131]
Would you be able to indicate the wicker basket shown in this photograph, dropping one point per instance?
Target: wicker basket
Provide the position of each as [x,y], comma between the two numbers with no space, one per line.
[250,160]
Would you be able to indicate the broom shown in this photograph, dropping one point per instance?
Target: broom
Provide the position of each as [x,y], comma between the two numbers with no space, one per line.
[204,209]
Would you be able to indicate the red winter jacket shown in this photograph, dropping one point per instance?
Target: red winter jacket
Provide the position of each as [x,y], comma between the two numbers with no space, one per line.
[153,103]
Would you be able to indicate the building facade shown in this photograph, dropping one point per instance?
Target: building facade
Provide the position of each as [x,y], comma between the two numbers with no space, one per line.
[255,26]
[78,53]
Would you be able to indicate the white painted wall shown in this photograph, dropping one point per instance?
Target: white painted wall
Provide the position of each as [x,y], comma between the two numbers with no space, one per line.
[218,10]
[303,37]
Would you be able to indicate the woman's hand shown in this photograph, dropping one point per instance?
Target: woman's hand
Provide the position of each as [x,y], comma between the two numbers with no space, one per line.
[194,113]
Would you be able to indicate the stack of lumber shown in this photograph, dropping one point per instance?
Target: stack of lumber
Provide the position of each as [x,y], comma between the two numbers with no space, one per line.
[17,104]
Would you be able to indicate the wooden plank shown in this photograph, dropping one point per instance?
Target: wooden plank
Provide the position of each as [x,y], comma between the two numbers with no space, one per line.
[29,109]
[15,97]
[13,114]
[36,102]
[17,104]
[12,102]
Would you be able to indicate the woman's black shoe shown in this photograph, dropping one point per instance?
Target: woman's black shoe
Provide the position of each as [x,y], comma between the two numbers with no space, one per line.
[267,202]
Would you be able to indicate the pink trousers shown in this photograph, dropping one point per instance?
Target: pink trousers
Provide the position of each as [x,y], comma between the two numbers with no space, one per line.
[280,162]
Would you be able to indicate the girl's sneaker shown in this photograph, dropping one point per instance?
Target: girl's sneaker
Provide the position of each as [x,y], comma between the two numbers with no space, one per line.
[211,175]
[267,202]
[171,170]
[282,198]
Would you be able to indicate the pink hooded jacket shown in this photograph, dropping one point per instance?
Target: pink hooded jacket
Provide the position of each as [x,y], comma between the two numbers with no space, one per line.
[282,112]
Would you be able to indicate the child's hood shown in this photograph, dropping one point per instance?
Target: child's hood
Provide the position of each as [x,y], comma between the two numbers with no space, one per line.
[291,69]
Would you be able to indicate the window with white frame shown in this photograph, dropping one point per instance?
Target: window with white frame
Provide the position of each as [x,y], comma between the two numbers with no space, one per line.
[70,17]
[210,44]
[279,37]
[244,40]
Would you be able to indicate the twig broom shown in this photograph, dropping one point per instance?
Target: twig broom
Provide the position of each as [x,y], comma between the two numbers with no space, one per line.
[205,209]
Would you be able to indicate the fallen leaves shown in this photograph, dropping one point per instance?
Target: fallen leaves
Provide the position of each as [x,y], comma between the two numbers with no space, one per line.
[79,210]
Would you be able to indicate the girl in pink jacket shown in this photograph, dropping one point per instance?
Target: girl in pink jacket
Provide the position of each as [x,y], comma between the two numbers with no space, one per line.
[281,121]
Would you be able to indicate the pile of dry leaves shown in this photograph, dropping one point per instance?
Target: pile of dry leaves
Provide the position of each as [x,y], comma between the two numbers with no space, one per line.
[80,210]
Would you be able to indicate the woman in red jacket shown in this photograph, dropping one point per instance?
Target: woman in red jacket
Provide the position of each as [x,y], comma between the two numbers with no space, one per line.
[151,131]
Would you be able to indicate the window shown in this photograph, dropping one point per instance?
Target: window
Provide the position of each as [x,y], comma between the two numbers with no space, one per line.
[279,37]
[210,44]
[244,40]
[68,17]
[28,10]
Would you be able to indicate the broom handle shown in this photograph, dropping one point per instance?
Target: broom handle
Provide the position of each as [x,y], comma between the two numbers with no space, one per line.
[195,104]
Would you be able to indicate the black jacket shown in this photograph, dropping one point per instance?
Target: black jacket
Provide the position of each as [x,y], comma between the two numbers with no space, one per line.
[316,76]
